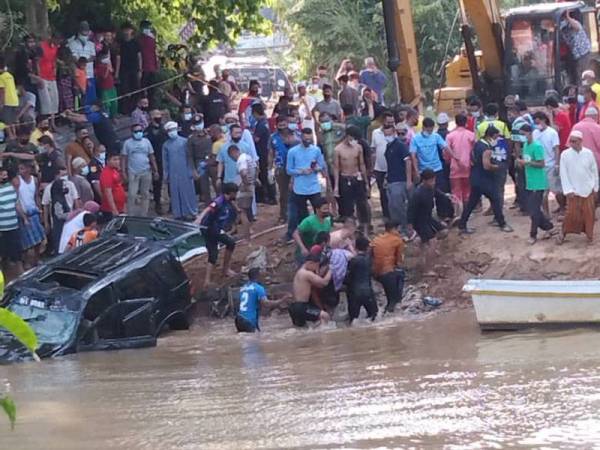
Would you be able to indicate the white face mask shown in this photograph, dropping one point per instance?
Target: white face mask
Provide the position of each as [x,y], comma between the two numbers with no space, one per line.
[580,99]
[105,61]
[187,116]
[426,133]
[390,139]
[85,171]
[172,134]
[475,114]
[64,178]
[199,126]
[102,158]
[352,141]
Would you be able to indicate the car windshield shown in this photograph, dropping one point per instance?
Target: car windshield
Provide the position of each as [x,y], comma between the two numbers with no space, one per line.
[156,229]
[531,63]
[51,327]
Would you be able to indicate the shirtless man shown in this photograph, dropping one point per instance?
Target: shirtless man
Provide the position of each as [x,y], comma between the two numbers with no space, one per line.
[350,175]
[302,310]
[344,237]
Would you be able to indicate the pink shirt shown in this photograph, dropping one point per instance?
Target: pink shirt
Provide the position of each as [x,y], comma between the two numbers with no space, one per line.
[461,142]
[591,136]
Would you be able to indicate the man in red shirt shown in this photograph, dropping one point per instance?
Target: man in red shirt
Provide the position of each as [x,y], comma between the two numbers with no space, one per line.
[48,90]
[246,102]
[111,185]
[559,120]
[147,42]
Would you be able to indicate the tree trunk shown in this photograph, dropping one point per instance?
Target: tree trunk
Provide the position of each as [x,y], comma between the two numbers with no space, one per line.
[36,17]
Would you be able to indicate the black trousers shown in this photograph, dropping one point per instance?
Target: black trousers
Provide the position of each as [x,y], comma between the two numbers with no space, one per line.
[491,193]
[520,189]
[393,286]
[443,205]
[148,79]
[157,184]
[266,193]
[128,83]
[538,219]
[353,193]
[243,326]
[365,300]
[380,180]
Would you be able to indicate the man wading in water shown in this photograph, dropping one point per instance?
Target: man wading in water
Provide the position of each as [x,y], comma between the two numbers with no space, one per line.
[303,310]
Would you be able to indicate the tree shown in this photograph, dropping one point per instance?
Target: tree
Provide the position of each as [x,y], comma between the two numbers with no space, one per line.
[218,21]
[328,31]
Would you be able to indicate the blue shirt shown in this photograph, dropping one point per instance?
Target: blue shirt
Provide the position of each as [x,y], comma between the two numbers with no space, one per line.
[300,158]
[230,172]
[280,149]
[376,80]
[251,295]
[219,215]
[426,148]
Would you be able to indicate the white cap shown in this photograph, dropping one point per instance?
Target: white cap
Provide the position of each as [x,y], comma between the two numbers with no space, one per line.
[78,162]
[443,118]
[588,74]
[591,112]
[576,134]
[171,125]
[301,84]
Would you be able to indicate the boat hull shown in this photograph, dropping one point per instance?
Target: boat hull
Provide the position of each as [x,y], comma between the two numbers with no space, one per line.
[507,304]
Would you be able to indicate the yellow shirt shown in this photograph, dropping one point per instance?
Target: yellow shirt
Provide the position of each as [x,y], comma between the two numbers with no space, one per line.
[217,146]
[596,90]
[7,82]
[497,123]
[37,134]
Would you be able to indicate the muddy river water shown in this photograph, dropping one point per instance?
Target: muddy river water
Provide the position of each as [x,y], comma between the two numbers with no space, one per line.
[436,383]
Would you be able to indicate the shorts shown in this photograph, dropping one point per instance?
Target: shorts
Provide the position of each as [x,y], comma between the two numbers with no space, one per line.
[244,200]
[301,312]
[8,114]
[243,325]
[10,245]
[554,184]
[48,95]
[212,241]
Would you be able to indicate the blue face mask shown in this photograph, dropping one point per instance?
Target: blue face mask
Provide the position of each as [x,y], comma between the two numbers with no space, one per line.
[293,126]
[85,171]
[225,129]
[199,126]
[137,135]
[326,126]
[102,158]
[172,134]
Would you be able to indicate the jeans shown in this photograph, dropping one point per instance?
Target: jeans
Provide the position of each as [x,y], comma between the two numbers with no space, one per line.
[353,192]
[380,180]
[398,204]
[491,193]
[538,219]
[283,185]
[297,209]
[141,183]
[393,285]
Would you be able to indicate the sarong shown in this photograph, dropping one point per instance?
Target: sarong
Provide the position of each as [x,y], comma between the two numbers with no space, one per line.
[580,216]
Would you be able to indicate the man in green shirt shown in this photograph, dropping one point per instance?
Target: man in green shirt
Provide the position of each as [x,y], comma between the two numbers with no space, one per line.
[535,183]
[312,225]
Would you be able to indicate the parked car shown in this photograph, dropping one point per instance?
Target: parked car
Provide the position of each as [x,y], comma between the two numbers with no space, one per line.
[119,291]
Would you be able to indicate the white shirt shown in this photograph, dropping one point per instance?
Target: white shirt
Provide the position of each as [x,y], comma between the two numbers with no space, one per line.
[27,193]
[70,197]
[578,172]
[379,142]
[307,112]
[245,162]
[85,50]
[69,228]
[549,140]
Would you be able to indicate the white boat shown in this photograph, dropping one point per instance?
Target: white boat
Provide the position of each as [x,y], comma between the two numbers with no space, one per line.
[510,304]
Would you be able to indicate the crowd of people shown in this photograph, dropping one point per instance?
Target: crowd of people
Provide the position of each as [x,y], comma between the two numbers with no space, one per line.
[326,144]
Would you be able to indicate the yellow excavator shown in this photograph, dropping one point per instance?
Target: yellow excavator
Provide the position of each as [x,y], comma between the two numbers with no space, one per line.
[521,52]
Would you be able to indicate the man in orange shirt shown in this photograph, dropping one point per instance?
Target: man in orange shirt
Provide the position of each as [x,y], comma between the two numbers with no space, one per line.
[86,235]
[388,255]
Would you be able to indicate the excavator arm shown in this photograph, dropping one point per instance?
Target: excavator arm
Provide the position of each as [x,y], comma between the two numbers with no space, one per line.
[402,50]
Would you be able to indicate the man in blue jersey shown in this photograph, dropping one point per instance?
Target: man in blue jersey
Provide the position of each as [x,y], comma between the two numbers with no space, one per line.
[252,297]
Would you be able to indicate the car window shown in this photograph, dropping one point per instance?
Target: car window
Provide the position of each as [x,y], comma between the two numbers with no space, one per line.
[98,303]
[136,284]
[168,271]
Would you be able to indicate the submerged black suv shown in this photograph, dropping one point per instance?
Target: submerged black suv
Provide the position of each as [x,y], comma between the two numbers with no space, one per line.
[119,291]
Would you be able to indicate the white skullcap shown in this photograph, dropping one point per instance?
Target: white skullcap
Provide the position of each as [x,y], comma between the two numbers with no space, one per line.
[576,134]
[588,74]
[591,112]
[443,118]
[170,125]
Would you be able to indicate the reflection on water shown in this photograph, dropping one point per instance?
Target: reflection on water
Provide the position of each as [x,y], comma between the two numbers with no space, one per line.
[436,383]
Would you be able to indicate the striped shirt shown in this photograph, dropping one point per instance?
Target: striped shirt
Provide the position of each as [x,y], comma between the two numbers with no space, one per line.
[83,49]
[8,208]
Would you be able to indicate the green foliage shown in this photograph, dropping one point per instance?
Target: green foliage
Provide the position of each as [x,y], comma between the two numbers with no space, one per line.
[219,21]
[19,328]
[328,31]
[8,406]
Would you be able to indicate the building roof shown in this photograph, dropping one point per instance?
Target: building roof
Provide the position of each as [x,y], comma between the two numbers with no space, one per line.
[544,8]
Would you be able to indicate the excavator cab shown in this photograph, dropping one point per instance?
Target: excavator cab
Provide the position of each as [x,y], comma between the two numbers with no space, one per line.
[537,59]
